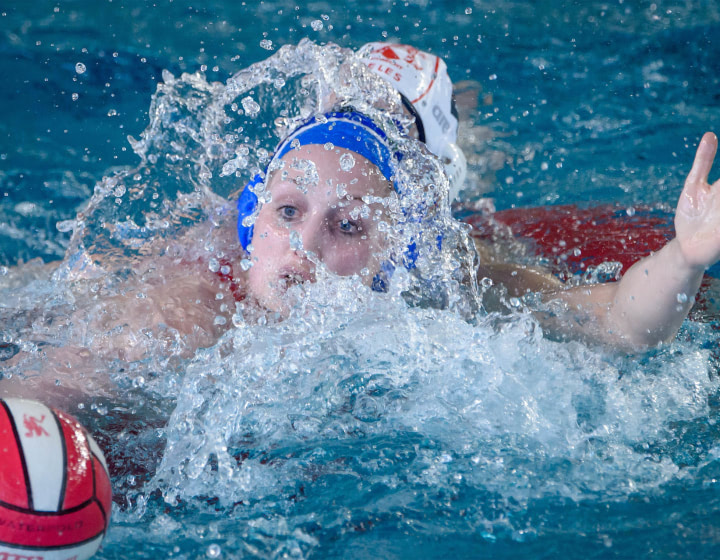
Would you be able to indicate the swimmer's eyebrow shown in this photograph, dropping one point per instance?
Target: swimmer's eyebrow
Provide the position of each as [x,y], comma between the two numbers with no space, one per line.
[352,197]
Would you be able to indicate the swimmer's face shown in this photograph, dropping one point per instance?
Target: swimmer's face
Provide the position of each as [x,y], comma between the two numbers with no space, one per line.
[308,218]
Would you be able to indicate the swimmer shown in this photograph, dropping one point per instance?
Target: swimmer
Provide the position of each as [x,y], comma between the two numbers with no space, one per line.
[301,228]
[652,299]
[427,95]
[646,307]
[321,212]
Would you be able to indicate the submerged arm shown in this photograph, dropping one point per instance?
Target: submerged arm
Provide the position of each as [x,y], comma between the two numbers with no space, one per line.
[172,319]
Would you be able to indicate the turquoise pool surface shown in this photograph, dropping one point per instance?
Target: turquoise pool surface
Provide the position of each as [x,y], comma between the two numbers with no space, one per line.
[382,432]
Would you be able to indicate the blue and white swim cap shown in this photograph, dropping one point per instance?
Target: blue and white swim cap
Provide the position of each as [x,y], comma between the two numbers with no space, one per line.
[349,130]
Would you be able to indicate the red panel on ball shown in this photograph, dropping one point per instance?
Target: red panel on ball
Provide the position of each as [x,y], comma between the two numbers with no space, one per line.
[78,489]
[13,485]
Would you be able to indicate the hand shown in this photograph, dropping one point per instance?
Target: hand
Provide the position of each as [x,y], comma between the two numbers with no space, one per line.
[697,218]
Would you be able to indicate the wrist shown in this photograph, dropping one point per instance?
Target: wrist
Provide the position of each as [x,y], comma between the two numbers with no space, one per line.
[682,260]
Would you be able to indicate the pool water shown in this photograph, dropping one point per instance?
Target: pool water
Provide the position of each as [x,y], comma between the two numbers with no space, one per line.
[361,427]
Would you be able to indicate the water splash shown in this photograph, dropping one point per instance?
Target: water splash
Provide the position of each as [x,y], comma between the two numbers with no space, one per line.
[406,415]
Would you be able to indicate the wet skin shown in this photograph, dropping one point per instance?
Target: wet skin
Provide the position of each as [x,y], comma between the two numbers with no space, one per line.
[307,222]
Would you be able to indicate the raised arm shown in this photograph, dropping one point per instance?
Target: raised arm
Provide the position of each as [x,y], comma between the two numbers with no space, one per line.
[650,302]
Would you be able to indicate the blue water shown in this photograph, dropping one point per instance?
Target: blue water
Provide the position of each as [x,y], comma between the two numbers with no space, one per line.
[435,437]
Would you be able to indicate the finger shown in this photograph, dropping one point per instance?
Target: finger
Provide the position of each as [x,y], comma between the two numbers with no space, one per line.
[703,159]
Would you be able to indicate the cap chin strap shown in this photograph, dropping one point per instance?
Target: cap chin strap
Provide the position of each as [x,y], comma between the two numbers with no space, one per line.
[418,121]
[452,157]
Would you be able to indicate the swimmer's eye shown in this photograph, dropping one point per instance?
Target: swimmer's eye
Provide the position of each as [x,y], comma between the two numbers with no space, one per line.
[348,227]
[288,212]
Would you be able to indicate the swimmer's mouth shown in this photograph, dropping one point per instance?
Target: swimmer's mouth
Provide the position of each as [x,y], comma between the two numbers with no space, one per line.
[294,277]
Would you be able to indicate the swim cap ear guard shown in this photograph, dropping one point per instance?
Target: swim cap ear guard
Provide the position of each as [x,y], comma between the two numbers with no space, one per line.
[427,93]
[350,130]
[246,205]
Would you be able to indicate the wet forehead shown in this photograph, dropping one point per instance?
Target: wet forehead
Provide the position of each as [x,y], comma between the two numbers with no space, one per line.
[333,166]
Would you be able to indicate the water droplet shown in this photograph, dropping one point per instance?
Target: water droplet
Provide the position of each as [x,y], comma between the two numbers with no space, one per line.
[266,44]
[229,168]
[468,11]
[74,96]
[80,68]
[296,243]
[347,162]
[213,551]
[213,265]
[250,106]
[237,319]
[682,298]
[245,264]
[630,211]
[317,25]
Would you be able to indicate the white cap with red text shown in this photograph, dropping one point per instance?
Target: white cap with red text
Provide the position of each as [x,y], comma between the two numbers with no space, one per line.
[422,80]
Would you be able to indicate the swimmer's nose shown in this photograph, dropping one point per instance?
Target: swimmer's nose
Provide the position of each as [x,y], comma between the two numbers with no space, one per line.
[312,238]
[302,268]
